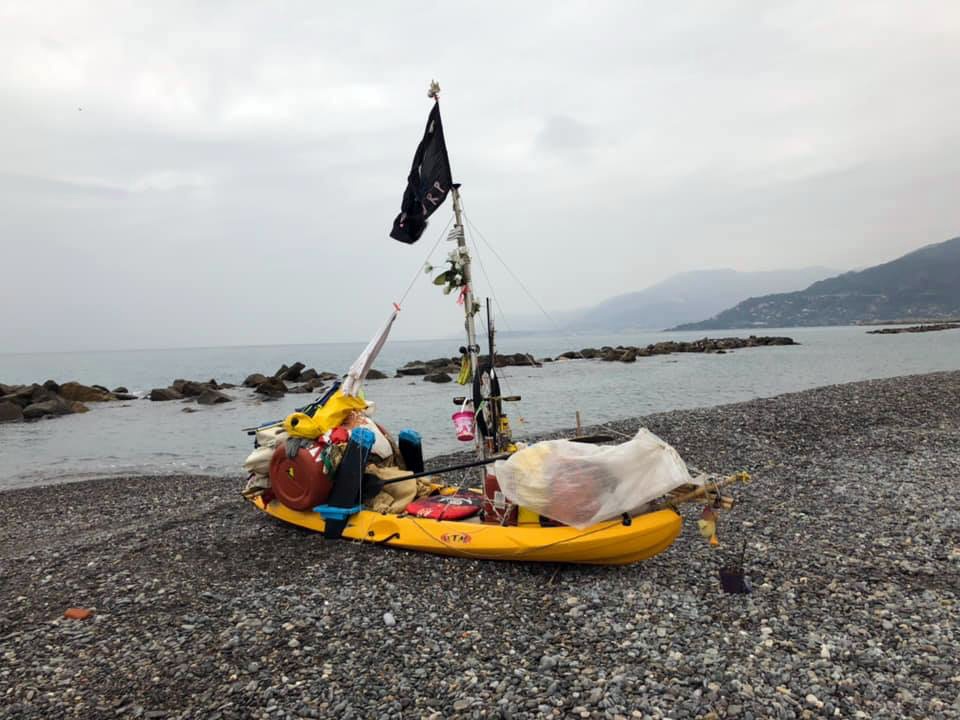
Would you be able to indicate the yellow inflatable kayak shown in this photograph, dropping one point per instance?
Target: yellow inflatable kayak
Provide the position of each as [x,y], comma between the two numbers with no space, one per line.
[614,542]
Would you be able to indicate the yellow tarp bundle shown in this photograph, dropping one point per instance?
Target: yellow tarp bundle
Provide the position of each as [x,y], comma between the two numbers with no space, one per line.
[333,413]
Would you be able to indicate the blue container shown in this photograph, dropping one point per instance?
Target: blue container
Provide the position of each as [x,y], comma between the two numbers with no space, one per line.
[329,512]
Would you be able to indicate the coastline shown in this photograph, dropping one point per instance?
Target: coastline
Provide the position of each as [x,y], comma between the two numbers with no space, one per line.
[205,608]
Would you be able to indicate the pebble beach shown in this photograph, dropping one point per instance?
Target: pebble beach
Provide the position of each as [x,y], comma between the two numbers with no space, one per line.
[204,608]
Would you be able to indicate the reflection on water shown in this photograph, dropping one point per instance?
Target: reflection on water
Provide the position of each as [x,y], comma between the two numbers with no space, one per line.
[149,437]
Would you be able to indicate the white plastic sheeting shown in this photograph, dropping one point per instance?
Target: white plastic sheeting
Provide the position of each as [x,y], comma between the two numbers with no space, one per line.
[580,484]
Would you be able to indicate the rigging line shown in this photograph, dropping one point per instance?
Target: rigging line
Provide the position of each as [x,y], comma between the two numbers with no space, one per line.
[420,269]
[486,275]
[473,229]
[556,325]
[512,274]
[483,325]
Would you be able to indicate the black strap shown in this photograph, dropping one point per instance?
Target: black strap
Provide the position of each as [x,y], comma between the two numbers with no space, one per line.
[388,538]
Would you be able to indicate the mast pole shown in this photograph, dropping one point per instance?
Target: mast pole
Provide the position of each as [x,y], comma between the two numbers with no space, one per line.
[472,348]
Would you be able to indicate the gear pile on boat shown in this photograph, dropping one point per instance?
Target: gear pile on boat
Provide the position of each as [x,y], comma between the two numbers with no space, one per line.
[331,468]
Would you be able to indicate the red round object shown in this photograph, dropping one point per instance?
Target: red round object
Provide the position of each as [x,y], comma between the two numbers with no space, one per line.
[301,483]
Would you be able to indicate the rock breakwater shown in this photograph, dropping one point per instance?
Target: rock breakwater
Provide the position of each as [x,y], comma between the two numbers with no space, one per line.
[29,402]
[931,327]
[630,353]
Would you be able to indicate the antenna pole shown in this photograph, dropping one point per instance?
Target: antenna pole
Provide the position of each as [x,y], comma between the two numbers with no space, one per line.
[494,404]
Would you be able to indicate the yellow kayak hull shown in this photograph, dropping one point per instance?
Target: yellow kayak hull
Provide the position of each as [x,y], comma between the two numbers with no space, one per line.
[607,543]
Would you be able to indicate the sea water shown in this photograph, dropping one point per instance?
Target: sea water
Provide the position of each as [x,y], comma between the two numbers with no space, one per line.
[144,437]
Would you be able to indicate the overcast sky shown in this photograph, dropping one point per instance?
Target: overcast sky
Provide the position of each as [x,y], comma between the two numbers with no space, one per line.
[209,173]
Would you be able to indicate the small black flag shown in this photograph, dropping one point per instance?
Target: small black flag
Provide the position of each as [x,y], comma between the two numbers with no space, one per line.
[428,183]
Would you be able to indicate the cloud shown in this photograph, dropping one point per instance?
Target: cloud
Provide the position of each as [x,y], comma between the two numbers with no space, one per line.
[229,152]
[561,133]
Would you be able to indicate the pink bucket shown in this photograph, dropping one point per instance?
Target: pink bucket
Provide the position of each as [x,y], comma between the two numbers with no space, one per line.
[463,424]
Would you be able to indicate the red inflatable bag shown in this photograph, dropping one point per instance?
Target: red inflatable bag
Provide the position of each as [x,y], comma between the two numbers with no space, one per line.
[459,506]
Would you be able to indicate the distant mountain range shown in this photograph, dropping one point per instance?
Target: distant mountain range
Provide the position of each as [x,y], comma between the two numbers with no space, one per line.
[922,285]
[681,298]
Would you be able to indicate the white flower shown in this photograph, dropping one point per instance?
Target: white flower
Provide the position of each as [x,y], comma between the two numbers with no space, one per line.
[427,268]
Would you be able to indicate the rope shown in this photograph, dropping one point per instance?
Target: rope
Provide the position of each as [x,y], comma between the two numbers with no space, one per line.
[420,269]
[483,269]
[567,392]
[503,376]
[556,325]
[473,228]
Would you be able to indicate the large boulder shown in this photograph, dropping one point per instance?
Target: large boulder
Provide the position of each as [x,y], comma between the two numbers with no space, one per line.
[255,379]
[14,394]
[189,388]
[120,390]
[414,368]
[437,363]
[54,406]
[516,360]
[311,385]
[437,377]
[293,372]
[163,394]
[52,386]
[629,356]
[309,374]
[10,411]
[374,374]
[272,388]
[76,392]
[213,397]
[24,395]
